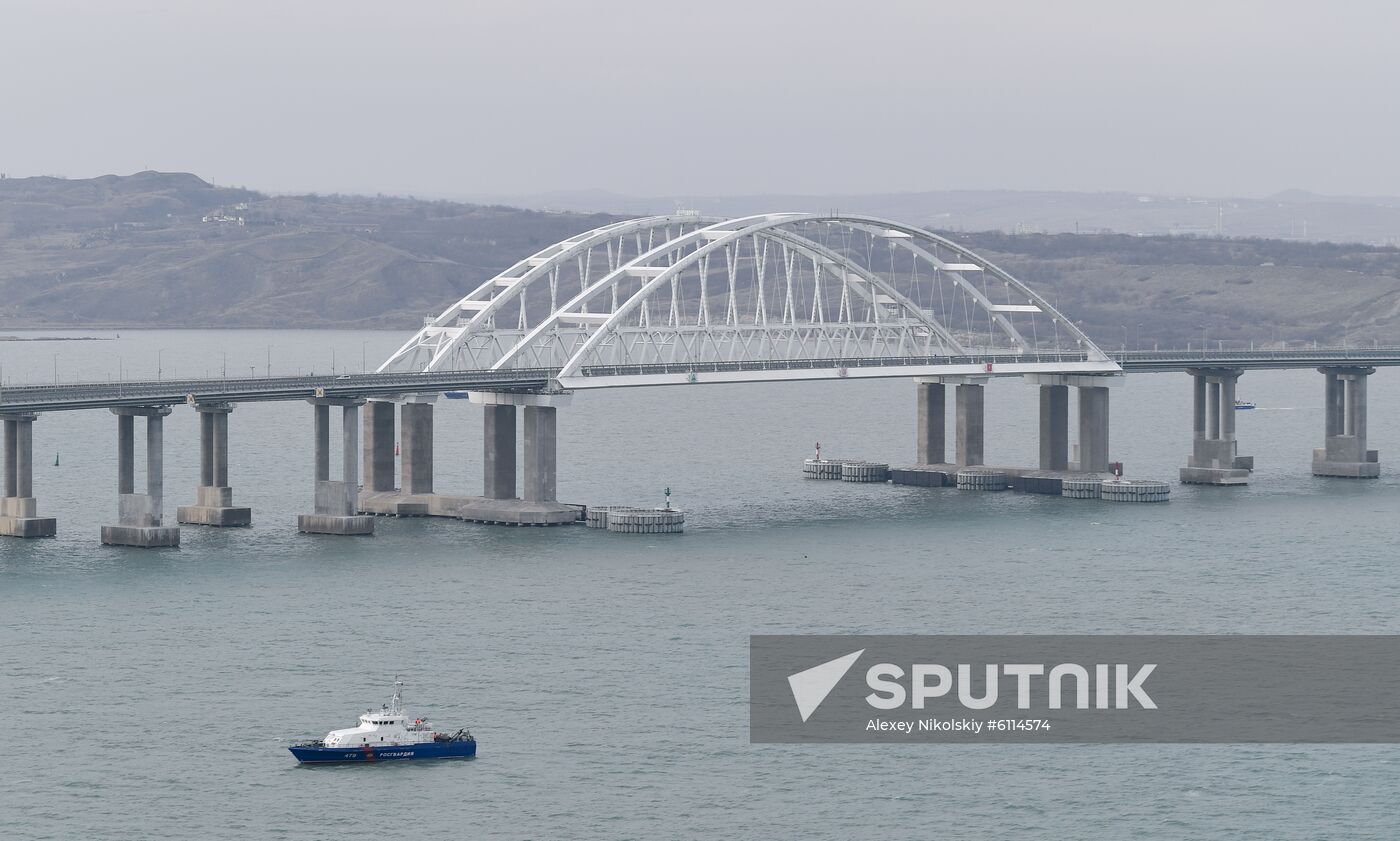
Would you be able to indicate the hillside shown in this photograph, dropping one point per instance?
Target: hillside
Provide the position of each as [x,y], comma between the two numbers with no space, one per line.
[169,249]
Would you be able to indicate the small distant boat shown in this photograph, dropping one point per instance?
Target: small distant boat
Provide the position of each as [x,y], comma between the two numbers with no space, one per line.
[385,734]
[1243,404]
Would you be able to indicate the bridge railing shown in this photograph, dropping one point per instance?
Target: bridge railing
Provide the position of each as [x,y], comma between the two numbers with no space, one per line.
[18,398]
[822,364]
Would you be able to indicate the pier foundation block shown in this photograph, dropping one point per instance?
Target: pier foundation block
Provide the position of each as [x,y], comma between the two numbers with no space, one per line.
[19,510]
[337,501]
[1344,453]
[1214,458]
[139,514]
[214,498]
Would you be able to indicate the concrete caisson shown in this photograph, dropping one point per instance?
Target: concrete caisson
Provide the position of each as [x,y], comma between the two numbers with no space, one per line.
[646,521]
[981,479]
[922,476]
[865,471]
[1135,490]
[1081,488]
[822,468]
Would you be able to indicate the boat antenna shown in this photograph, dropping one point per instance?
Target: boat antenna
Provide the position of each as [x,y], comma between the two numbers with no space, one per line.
[395,705]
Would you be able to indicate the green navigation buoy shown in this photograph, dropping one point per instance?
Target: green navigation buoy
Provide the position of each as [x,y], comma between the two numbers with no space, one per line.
[55,459]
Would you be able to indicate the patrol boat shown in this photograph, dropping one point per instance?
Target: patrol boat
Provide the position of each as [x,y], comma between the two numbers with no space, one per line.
[386,734]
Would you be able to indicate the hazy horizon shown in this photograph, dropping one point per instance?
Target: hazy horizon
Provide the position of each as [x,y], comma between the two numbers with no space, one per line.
[724,99]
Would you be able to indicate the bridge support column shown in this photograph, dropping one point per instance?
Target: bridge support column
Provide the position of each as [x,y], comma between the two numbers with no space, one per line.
[1054,427]
[1214,458]
[540,453]
[1093,420]
[19,509]
[337,502]
[932,422]
[498,453]
[417,457]
[969,399]
[537,504]
[1345,453]
[213,498]
[379,446]
[139,515]
[1093,428]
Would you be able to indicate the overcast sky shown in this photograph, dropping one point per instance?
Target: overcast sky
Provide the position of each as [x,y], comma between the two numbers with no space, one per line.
[668,98]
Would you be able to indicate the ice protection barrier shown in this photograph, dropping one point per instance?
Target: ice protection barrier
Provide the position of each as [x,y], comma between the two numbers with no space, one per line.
[822,468]
[864,471]
[981,479]
[1136,490]
[1081,488]
[923,477]
[646,521]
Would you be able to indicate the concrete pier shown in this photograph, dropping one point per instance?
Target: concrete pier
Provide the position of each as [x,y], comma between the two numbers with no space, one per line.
[1093,428]
[541,455]
[1214,458]
[416,459]
[498,452]
[19,509]
[1344,453]
[379,446]
[1093,452]
[214,497]
[970,422]
[337,501]
[1054,427]
[139,515]
[931,428]
[537,506]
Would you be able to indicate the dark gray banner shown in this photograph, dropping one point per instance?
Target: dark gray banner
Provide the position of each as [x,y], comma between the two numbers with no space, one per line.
[1044,689]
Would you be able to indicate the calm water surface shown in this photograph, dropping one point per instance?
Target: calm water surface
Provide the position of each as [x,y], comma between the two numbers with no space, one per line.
[151,693]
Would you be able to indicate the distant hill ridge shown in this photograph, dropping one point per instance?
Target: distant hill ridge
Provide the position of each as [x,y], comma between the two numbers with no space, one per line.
[171,249]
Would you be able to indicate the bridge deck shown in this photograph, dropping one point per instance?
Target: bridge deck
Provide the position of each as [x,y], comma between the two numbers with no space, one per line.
[1150,361]
[68,396]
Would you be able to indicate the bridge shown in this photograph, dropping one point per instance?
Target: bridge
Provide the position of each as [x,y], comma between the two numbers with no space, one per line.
[682,299]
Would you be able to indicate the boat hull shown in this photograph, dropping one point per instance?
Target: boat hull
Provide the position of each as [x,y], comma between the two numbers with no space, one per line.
[385,753]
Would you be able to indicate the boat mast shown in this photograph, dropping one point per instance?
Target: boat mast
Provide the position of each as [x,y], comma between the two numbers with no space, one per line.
[395,706]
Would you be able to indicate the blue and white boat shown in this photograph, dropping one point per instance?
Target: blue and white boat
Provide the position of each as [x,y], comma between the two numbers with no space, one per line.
[384,735]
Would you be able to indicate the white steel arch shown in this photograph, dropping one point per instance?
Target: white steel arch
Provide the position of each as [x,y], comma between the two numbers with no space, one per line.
[849,295]
[433,345]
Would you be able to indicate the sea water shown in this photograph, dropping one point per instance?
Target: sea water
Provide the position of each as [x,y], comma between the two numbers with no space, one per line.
[152,693]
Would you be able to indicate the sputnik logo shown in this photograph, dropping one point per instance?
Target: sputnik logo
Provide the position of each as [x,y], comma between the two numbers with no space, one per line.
[810,687]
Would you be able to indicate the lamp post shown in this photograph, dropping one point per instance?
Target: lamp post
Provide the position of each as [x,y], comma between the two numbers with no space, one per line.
[159,368]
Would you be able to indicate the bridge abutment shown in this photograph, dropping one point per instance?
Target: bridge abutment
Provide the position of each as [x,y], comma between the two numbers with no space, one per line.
[337,502]
[1214,458]
[213,498]
[140,515]
[19,509]
[1344,452]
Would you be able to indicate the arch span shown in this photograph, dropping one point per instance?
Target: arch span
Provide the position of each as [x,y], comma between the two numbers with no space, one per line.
[770,296]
